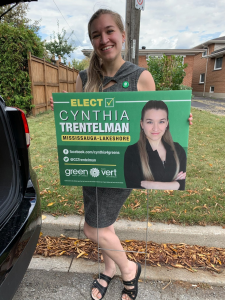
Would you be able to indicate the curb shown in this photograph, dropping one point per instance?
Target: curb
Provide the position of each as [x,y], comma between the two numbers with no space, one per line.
[72,226]
[63,264]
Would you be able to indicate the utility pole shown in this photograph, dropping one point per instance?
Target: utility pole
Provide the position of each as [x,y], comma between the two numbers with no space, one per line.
[133,17]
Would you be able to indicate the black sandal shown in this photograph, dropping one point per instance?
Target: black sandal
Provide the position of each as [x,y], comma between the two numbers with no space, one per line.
[102,290]
[132,293]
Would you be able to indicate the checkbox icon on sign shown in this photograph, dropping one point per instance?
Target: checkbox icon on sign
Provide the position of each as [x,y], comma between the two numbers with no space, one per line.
[109,102]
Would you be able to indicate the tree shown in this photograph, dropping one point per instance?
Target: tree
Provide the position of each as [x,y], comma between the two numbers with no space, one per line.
[80,64]
[17,16]
[15,85]
[59,44]
[167,71]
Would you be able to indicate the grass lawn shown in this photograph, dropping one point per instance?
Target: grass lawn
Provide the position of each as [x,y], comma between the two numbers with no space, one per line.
[203,201]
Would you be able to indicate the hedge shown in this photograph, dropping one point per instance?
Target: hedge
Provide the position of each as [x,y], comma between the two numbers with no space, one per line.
[15,85]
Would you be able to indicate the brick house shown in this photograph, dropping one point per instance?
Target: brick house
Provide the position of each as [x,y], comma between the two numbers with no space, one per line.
[144,53]
[209,69]
[188,55]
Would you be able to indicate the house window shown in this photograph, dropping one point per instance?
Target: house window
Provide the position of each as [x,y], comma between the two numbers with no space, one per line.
[204,53]
[202,78]
[211,90]
[218,63]
[157,56]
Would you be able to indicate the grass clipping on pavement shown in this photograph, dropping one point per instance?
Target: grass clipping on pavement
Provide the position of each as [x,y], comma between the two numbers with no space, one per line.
[201,203]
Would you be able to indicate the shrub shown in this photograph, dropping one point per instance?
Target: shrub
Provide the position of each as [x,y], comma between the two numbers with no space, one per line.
[167,71]
[15,42]
[81,64]
[185,87]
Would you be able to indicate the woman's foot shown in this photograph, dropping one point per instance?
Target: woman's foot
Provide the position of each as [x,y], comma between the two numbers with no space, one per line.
[131,278]
[96,293]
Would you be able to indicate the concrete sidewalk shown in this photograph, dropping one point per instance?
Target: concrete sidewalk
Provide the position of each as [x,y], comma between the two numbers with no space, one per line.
[72,226]
[82,266]
[55,283]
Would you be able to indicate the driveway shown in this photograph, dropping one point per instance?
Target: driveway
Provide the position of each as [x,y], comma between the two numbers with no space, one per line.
[215,106]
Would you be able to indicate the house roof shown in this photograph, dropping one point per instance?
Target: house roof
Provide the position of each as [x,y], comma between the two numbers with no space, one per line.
[217,53]
[222,38]
[153,52]
[219,40]
[169,51]
[193,51]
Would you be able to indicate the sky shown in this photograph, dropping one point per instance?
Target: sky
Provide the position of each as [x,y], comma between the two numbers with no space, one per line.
[165,24]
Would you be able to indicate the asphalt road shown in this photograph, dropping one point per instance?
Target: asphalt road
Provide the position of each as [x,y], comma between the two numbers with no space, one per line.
[52,285]
[215,106]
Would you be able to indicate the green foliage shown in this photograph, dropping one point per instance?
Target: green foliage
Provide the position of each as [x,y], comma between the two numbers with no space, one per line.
[59,45]
[167,71]
[80,64]
[185,87]
[17,16]
[15,42]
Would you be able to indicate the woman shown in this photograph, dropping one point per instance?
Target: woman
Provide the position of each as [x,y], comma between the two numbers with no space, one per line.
[155,161]
[108,72]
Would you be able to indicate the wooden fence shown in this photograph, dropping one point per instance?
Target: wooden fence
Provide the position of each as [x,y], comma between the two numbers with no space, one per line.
[47,78]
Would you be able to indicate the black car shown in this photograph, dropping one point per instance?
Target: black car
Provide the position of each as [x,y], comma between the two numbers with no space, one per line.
[20,211]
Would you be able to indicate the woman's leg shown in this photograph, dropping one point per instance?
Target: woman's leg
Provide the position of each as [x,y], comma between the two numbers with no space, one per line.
[110,268]
[109,240]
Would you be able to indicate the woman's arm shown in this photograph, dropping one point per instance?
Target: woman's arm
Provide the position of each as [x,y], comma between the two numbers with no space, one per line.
[79,86]
[132,173]
[183,164]
[179,182]
[146,82]
[157,185]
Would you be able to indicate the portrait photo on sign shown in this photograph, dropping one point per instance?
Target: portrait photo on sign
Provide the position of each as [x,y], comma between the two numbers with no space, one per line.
[155,161]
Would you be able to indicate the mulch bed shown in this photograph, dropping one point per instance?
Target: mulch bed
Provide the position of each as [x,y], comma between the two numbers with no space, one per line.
[171,255]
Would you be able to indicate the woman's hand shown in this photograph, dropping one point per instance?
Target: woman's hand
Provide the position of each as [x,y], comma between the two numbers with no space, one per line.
[52,103]
[181,176]
[146,184]
[190,119]
[158,185]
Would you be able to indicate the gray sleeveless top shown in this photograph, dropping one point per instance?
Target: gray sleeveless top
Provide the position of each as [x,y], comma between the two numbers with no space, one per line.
[127,72]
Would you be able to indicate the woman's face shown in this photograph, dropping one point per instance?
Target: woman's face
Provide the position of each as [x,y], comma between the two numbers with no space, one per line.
[154,124]
[106,37]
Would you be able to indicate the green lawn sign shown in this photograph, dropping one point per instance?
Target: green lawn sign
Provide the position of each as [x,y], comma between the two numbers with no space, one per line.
[94,130]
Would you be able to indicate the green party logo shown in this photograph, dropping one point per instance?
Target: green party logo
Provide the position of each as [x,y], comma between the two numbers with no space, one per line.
[94,172]
[125,84]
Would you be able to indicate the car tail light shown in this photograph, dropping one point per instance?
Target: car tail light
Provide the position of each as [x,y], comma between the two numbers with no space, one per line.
[26,128]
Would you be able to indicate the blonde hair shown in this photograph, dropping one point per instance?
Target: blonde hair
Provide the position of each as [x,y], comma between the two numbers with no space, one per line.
[94,72]
[153,104]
